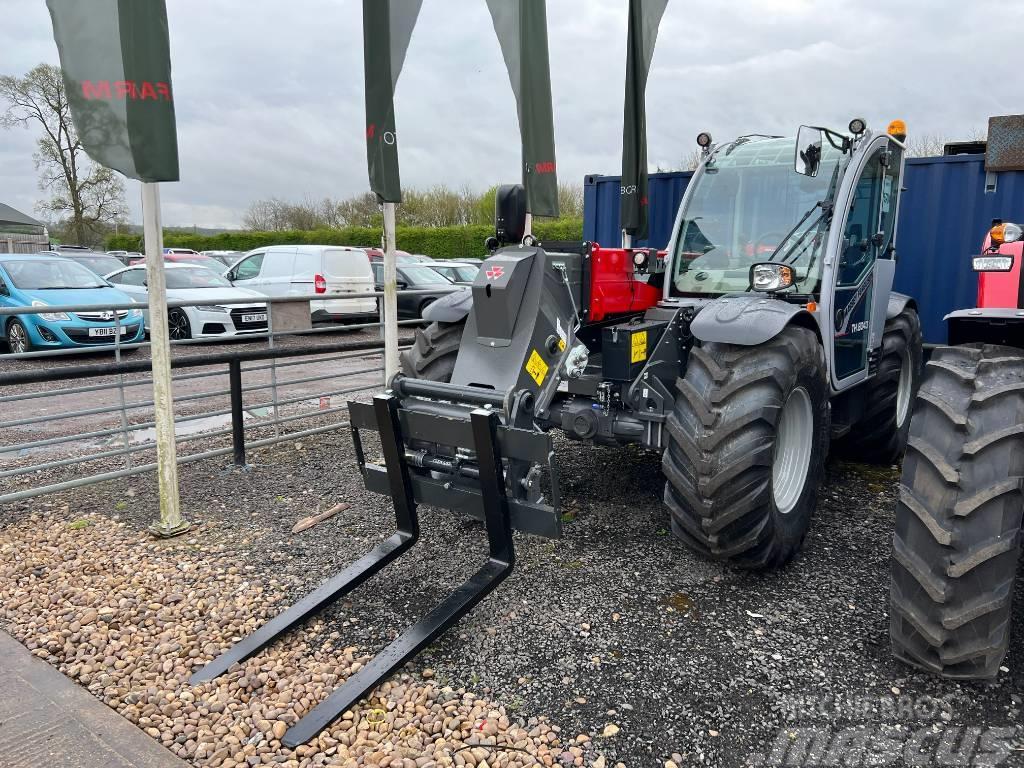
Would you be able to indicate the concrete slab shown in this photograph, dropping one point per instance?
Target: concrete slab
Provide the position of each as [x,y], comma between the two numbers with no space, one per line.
[47,720]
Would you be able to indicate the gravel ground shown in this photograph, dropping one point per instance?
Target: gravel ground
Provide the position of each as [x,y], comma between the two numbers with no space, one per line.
[640,651]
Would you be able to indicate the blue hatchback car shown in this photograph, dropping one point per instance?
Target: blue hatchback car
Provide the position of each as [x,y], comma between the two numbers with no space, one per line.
[44,280]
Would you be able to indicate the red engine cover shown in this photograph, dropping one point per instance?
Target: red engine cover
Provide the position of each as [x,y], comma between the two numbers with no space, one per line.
[615,288]
[1001,289]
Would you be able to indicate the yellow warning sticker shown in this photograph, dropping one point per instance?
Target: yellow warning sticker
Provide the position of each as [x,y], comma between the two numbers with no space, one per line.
[638,347]
[536,367]
[561,345]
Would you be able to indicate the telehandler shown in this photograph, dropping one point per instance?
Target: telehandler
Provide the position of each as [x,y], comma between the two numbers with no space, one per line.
[958,521]
[767,327]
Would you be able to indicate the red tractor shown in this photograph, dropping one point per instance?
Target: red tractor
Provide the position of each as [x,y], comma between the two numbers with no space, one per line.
[958,521]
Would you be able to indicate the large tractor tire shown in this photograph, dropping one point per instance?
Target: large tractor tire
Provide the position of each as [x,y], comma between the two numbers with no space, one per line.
[958,520]
[432,355]
[747,440]
[880,436]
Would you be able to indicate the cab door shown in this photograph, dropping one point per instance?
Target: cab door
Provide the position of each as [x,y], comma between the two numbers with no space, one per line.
[856,288]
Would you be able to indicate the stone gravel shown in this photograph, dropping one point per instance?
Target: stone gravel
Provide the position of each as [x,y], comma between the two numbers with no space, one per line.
[636,650]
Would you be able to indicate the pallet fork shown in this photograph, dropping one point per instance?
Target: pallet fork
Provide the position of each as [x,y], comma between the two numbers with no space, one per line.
[475,481]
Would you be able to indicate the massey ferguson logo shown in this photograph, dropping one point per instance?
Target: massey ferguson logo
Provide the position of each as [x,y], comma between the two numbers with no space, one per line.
[493,273]
[130,90]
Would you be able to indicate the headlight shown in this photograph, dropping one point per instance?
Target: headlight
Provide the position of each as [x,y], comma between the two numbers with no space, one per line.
[771,277]
[992,263]
[212,308]
[52,317]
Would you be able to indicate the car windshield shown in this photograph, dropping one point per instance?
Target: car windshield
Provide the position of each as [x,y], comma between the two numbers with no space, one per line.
[195,278]
[101,265]
[423,276]
[748,205]
[43,274]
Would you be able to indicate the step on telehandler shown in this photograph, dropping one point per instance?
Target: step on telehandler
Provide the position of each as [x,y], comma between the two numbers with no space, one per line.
[768,326]
[958,521]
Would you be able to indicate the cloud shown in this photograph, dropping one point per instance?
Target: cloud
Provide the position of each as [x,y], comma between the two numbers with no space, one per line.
[269,95]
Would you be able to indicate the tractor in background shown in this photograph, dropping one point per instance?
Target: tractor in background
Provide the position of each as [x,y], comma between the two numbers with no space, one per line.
[958,521]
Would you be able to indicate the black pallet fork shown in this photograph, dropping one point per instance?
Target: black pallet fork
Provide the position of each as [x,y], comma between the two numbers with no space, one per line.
[411,475]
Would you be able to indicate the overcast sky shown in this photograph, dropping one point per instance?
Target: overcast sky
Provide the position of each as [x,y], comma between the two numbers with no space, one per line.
[269,94]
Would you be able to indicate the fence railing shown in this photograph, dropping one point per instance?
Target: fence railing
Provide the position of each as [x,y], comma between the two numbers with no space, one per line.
[227,401]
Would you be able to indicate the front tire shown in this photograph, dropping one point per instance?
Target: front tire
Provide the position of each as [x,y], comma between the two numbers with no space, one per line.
[18,341]
[880,436]
[432,355]
[747,440]
[178,326]
[958,520]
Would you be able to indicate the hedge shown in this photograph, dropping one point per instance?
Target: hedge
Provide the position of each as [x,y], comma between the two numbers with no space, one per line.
[436,242]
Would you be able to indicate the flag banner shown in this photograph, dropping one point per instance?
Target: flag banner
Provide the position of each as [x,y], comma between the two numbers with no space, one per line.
[115,58]
[644,18]
[387,29]
[521,26]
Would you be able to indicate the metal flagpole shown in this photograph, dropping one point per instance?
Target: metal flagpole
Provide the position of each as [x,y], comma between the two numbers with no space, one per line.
[390,304]
[171,523]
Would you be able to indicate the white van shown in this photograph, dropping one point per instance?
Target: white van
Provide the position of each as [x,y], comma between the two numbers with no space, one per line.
[298,270]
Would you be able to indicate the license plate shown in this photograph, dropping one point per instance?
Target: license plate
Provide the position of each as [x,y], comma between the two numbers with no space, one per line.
[106,331]
[255,317]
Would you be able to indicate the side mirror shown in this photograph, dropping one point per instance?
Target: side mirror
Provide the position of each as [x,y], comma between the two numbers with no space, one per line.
[401,285]
[510,213]
[3,289]
[807,153]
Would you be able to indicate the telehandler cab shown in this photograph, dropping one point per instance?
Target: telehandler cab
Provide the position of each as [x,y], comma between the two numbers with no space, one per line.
[958,521]
[766,327]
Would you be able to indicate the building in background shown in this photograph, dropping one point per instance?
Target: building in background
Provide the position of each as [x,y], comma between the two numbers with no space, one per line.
[20,233]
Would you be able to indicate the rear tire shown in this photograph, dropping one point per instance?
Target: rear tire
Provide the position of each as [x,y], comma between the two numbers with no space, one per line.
[958,520]
[735,487]
[880,437]
[432,355]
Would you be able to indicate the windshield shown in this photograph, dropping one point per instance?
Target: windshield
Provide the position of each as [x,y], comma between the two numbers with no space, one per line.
[749,206]
[195,278]
[51,273]
[423,276]
[101,265]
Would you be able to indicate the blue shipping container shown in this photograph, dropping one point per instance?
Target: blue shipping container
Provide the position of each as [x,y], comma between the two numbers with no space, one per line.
[944,214]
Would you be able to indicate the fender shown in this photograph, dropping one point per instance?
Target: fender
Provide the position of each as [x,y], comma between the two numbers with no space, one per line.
[748,319]
[897,303]
[452,308]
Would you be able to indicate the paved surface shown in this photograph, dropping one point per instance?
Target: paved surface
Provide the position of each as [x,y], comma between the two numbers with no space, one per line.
[47,720]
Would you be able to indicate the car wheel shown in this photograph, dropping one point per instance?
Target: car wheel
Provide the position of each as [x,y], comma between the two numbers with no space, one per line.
[17,338]
[178,327]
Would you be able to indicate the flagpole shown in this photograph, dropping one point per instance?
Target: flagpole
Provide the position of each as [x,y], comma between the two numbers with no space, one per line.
[170,523]
[390,305]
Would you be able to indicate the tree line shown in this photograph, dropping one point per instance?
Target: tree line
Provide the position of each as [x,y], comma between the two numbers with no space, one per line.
[438,206]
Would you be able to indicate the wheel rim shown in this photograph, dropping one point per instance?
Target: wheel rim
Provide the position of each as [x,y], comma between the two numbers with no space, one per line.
[793,442]
[903,389]
[17,339]
[177,326]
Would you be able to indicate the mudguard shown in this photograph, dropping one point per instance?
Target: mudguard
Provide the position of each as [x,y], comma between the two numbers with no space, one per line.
[897,303]
[449,309]
[745,319]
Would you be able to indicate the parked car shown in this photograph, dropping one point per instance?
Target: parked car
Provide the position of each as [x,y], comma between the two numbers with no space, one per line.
[187,282]
[100,263]
[196,259]
[300,270]
[227,258]
[401,257]
[180,252]
[125,256]
[459,272]
[415,277]
[43,280]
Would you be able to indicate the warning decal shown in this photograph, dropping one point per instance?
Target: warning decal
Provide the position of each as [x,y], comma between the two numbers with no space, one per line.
[536,367]
[638,347]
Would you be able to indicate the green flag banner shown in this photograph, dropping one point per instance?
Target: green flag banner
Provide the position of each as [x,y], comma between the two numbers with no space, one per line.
[115,58]
[644,18]
[521,26]
[387,29]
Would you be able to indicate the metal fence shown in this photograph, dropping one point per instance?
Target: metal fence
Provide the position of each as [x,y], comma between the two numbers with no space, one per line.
[66,422]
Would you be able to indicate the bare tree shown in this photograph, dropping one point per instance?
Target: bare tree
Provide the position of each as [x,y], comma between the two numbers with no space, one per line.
[934,144]
[570,201]
[89,195]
